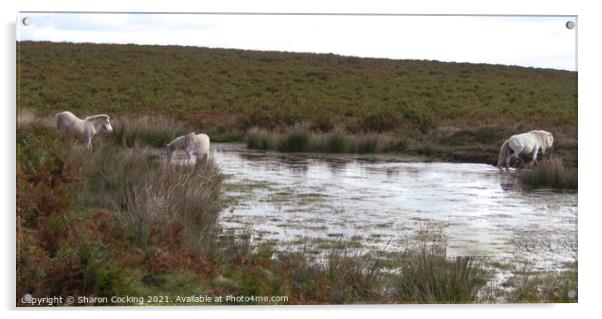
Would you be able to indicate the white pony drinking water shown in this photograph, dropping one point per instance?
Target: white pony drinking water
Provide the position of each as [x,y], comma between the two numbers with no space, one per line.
[524,144]
[84,129]
[193,144]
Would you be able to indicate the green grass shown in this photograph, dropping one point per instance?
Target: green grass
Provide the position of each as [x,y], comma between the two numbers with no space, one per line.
[260,139]
[220,90]
[295,140]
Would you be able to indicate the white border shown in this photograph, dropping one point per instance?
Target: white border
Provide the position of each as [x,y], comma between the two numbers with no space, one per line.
[589,154]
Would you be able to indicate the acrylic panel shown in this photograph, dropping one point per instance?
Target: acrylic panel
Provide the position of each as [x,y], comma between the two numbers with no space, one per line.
[285,159]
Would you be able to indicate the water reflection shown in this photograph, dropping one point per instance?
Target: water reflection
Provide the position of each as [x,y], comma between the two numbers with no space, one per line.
[384,201]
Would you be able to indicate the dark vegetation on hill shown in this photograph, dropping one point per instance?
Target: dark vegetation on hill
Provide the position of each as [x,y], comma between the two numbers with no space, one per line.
[240,89]
[449,111]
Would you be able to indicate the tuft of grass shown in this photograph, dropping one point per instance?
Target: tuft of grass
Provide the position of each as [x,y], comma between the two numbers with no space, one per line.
[186,196]
[336,143]
[342,277]
[135,183]
[261,139]
[296,139]
[550,173]
[369,144]
[547,286]
[428,276]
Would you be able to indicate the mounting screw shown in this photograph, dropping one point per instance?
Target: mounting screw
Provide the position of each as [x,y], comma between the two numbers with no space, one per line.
[570,25]
[27,21]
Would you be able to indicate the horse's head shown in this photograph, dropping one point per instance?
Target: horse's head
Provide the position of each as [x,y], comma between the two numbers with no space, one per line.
[546,139]
[550,139]
[170,148]
[106,126]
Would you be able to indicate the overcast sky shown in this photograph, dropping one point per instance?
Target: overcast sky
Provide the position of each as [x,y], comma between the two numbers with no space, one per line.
[542,42]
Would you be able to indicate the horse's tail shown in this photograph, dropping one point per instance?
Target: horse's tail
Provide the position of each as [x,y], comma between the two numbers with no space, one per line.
[58,122]
[503,154]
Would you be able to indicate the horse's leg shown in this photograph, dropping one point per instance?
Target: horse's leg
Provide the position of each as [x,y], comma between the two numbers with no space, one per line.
[534,157]
[190,156]
[89,143]
[516,154]
[202,156]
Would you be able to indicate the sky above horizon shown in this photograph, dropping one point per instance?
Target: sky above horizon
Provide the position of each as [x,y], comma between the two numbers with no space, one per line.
[542,42]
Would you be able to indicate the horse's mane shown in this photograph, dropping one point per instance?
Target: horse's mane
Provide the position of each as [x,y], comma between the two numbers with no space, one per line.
[541,138]
[97,116]
[177,142]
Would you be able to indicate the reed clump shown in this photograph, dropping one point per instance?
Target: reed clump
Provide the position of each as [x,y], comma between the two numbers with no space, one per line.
[302,138]
[427,275]
[137,184]
[550,173]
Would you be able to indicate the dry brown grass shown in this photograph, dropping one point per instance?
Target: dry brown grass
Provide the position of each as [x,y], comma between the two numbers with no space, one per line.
[186,195]
[136,183]
[550,173]
[427,275]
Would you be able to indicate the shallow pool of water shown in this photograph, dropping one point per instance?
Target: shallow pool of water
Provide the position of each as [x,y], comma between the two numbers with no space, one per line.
[383,201]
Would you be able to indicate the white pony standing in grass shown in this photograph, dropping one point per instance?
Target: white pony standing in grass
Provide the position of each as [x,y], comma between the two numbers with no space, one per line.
[525,144]
[193,144]
[84,129]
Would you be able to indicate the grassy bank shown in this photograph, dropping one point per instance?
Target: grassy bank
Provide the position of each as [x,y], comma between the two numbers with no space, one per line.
[475,144]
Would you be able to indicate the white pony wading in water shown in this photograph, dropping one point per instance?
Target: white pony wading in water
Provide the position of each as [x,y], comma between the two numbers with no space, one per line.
[84,129]
[526,144]
[193,144]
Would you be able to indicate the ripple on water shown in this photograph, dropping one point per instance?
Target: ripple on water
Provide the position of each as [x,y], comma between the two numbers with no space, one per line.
[384,199]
